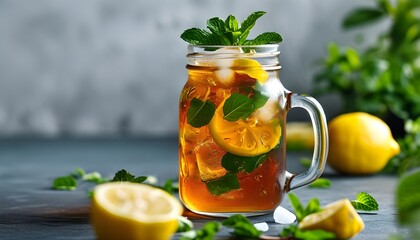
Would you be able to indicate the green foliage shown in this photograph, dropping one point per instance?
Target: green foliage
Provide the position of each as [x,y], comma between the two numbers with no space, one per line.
[229,32]
[208,232]
[200,113]
[223,185]
[321,183]
[242,227]
[383,79]
[124,176]
[294,232]
[65,183]
[365,202]
[301,212]
[239,106]
[408,199]
[234,163]
[409,157]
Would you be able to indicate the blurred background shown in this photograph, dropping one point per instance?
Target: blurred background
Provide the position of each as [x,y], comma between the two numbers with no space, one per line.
[116,68]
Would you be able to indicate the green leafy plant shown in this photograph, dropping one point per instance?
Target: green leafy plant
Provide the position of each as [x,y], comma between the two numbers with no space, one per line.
[383,78]
[409,158]
[229,32]
[408,202]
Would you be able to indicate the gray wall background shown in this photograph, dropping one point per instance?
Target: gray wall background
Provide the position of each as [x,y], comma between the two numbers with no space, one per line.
[109,67]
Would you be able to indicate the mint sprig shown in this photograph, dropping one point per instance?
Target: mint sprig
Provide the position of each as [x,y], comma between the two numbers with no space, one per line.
[124,176]
[301,212]
[229,32]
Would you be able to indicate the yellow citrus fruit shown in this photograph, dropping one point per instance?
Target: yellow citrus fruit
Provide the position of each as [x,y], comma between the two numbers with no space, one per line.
[250,137]
[225,74]
[251,68]
[123,210]
[360,143]
[300,136]
[338,217]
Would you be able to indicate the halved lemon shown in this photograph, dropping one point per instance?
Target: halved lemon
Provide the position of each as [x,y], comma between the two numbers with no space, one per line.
[250,137]
[123,210]
[338,217]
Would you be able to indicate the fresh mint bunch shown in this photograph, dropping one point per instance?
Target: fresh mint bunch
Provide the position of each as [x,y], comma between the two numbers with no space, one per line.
[229,32]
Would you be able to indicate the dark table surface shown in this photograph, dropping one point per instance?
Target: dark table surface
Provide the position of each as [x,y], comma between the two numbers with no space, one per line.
[30,209]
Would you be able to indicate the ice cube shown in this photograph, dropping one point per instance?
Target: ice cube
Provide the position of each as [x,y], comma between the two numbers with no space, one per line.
[209,156]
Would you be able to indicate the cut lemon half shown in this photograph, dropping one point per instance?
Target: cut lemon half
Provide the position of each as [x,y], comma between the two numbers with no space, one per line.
[338,217]
[123,210]
[247,138]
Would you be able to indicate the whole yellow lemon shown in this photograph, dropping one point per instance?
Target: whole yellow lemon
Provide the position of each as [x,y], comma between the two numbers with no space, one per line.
[360,143]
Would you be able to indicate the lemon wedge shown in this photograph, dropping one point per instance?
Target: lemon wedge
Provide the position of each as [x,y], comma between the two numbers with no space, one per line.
[123,210]
[247,138]
[338,217]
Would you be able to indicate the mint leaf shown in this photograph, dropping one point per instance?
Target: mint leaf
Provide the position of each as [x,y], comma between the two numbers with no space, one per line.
[265,38]
[242,227]
[321,183]
[232,30]
[362,16]
[305,162]
[196,36]
[208,232]
[231,23]
[237,106]
[259,100]
[408,198]
[364,202]
[248,24]
[294,232]
[317,234]
[184,225]
[223,185]
[124,176]
[234,163]
[313,206]
[93,177]
[78,173]
[217,27]
[200,113]
[67,183]
[297,206]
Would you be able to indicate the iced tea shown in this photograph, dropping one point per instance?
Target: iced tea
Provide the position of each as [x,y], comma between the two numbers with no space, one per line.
[231,129]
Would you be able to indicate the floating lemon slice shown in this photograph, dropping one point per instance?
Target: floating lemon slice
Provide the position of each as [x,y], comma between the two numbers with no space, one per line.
[123,210]
[251,68]
[247,138]
[338,217]
[245,66]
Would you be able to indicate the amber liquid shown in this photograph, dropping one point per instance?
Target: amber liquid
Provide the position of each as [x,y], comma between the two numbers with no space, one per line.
[199,155]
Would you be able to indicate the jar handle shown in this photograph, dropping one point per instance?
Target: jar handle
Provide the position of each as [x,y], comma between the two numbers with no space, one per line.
[319,124]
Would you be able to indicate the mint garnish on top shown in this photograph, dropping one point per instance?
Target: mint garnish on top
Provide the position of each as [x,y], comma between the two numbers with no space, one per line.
[229,32]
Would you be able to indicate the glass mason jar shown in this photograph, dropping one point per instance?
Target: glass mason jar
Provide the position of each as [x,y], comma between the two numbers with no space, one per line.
[232,128]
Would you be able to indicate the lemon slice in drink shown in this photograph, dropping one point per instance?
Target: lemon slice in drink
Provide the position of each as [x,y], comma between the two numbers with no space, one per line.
[246,138]
[251,68]
[338,217]
[123,210]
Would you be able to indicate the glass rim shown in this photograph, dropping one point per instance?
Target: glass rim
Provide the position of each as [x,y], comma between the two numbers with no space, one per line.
[255,51]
